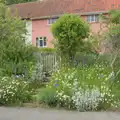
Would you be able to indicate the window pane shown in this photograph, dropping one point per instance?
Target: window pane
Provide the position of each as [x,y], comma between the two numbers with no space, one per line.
[49,21]
[41,43]
[92,18]
[45,41]
[88,18]
[37,42]
[55,19]
[52,20]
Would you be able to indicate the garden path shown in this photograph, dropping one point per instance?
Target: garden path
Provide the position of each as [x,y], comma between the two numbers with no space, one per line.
[8,113]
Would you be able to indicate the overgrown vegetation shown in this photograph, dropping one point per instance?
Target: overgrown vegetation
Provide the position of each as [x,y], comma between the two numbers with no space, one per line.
[86,85]
[73,86]
[46,96]
[90,82]
[16,58]
[113,39]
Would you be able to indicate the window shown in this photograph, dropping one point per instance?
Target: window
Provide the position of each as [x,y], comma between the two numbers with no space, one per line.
[52,20]
[93,18]
[41,41]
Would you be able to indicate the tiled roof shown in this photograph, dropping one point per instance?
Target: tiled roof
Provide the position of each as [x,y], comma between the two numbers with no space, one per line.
[47,8]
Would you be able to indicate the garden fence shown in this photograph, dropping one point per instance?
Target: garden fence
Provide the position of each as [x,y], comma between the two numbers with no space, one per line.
[49,61]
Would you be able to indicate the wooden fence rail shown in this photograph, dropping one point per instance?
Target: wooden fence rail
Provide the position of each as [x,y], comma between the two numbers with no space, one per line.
[49,61]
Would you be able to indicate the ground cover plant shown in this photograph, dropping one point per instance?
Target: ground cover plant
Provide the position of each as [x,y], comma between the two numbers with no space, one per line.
[82,84]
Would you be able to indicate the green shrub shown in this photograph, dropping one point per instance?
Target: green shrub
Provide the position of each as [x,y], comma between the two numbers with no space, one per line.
[16,57]
[84,88]
[47,96]
[14,91]
[69,32]
[92,58]
[47,50]
[85,59]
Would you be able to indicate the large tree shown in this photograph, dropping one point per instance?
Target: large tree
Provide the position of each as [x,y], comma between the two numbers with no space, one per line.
[15,55]
[70,32]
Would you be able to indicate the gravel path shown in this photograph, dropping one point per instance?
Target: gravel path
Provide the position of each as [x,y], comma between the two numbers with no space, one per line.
[44,114]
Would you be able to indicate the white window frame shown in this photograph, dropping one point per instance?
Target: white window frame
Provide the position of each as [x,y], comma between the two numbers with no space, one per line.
[51,21]
[93,18]
[44,42]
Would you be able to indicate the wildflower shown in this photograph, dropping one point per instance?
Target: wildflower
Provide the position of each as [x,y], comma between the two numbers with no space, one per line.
[55,85]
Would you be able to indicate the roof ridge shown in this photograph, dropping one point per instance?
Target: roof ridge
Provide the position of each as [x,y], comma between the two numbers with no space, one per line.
[45,8]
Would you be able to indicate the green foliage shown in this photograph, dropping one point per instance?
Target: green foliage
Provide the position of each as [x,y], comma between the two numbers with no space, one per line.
[73,86]
[115,16]
[85,58]
[114,29]
[89,75]
[113,34]
[2,1]
[112,39]
[112,17]
[69,32]
[15,56]
[14,91]
[9,2]
[47,96]
[47,50]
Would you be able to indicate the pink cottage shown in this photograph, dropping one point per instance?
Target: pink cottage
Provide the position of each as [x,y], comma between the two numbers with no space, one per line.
[40,15]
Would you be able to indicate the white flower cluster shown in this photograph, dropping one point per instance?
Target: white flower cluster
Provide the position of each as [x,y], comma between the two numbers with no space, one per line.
[64,99]
[12,90]
[85,88]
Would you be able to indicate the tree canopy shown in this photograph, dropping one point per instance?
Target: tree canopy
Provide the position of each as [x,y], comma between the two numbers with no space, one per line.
[9,2]
[15,55]
[69,32]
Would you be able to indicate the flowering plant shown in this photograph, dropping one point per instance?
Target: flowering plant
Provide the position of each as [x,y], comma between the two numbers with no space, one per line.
[83,88]
[90,98]
[13,91]
[62,81]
